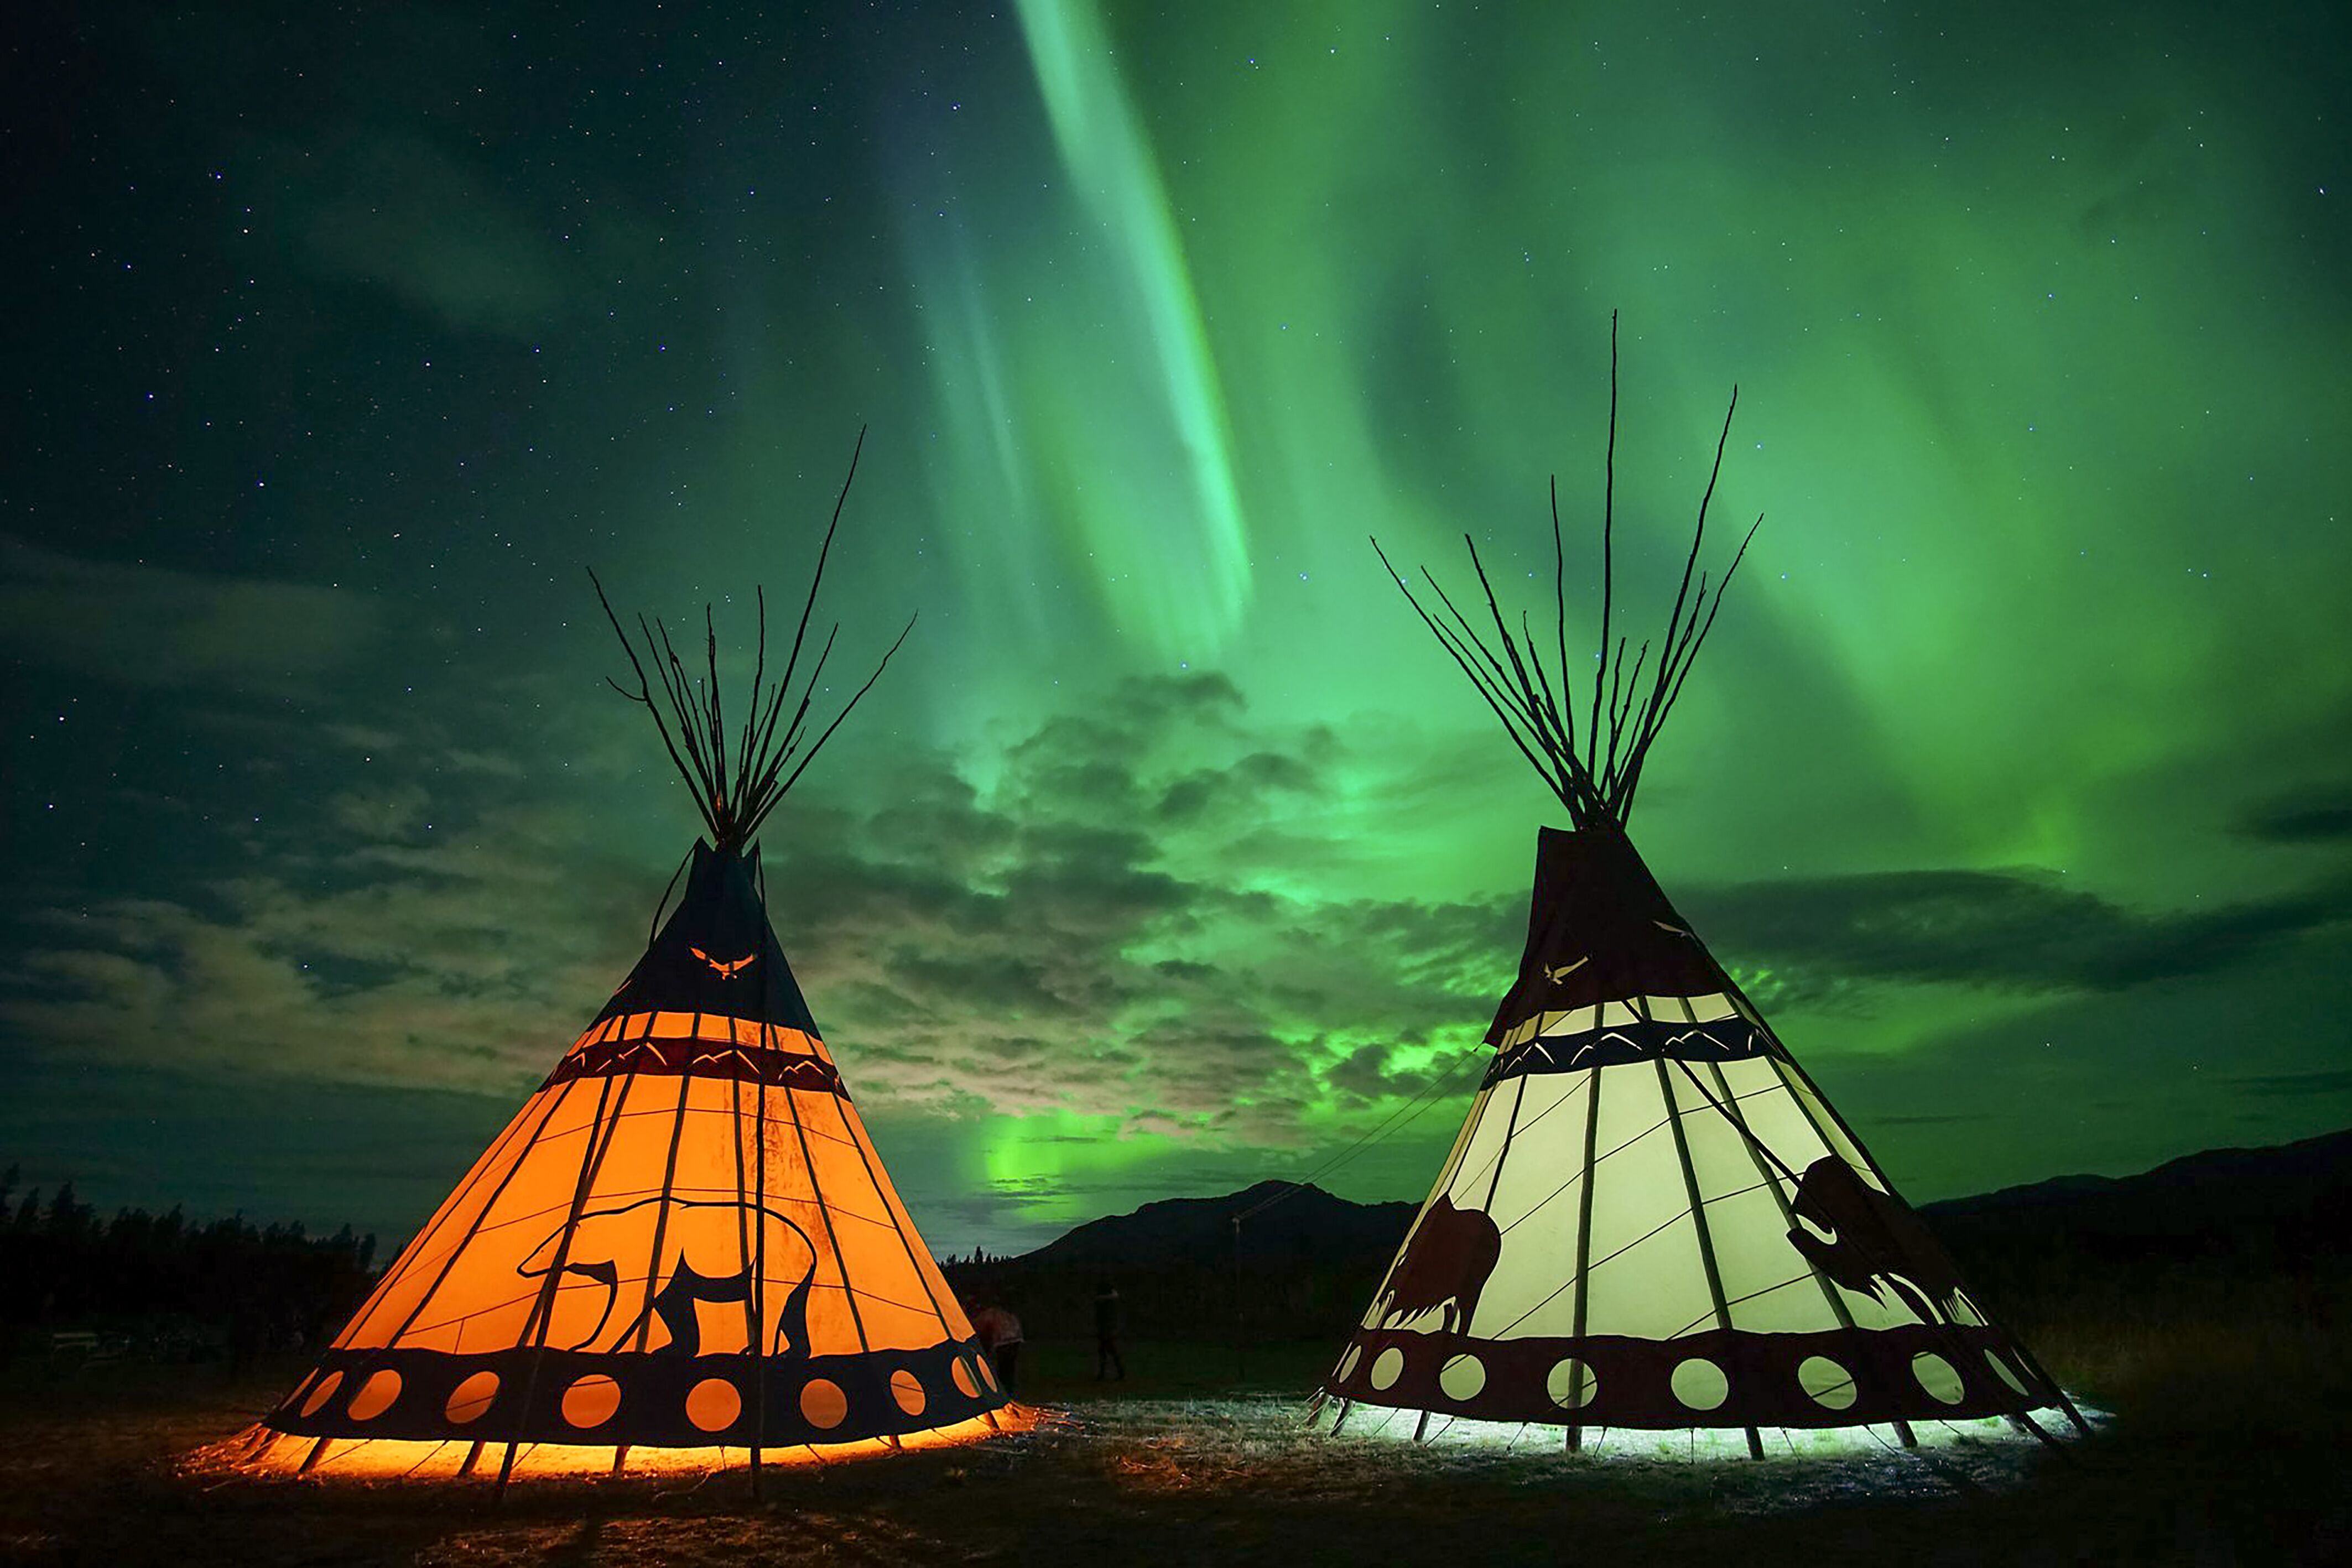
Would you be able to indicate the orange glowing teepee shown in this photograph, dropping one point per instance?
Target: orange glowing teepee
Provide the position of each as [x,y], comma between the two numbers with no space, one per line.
[685,1241]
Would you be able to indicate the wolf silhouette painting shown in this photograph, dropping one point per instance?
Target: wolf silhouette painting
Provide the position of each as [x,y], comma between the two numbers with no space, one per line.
[610,1245]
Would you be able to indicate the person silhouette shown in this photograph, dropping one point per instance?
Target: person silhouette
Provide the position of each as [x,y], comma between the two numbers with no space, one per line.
[999,1331]
[1109,1363]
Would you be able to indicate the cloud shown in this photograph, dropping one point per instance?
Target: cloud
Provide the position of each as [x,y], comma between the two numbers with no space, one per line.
[2108,1082]
[421,913]
[1037,950]
[152,626]
[448,973]
[2294,1085]
[413,218]
[2322,815]
[1049,945]
[1928,1121]
[2004,931]
[1038,939]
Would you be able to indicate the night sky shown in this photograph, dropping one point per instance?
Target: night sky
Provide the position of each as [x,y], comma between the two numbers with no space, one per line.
[1170,854]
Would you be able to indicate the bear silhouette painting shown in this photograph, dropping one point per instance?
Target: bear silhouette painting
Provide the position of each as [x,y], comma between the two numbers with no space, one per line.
[1443,1269]
[609,1246]
[1873,1238]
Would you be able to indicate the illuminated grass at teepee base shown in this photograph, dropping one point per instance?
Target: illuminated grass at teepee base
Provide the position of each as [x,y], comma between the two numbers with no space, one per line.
[1374,1426]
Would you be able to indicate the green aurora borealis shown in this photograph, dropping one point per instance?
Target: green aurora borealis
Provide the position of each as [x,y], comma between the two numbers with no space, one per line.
[1169,854]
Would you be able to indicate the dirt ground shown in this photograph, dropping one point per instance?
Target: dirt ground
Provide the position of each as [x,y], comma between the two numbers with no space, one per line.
[1182,1464]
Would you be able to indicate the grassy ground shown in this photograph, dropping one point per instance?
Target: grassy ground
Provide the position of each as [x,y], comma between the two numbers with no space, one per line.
[2226,1447]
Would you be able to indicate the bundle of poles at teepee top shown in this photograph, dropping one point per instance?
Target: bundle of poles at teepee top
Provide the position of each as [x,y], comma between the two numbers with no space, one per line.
[1595,781]
[1651,1217]
[735,795]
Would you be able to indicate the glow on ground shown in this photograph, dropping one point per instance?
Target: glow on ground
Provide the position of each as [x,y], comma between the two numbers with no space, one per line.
[259,1451]
[1373,1424]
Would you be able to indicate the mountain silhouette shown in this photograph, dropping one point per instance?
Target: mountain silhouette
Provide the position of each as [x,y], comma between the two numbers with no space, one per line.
[1297,1224]
[2296,1195]
[2292,1199]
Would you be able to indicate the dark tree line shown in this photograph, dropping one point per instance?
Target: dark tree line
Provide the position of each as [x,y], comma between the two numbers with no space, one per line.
[165,1285]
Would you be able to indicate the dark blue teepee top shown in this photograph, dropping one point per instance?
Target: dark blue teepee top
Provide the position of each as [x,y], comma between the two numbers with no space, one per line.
[716,953]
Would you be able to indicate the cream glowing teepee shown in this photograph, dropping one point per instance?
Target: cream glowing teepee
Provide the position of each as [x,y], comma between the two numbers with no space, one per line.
[1652,1217]
[684,1248]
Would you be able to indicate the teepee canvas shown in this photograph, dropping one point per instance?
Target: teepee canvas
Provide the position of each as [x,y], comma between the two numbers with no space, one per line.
[1652,1217]
[684,1241]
